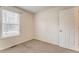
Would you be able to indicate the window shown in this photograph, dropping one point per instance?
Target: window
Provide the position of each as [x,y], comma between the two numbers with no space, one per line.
[10,23]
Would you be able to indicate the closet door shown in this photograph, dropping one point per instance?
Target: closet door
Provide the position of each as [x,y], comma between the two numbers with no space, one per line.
[66,28]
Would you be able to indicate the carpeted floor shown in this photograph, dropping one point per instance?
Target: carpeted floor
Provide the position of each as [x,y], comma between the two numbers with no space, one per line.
[36,46]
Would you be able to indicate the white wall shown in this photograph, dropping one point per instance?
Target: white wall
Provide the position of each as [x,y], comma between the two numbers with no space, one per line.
[27,29]
[47,25]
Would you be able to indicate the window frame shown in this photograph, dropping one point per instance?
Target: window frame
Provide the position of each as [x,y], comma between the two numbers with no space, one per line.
[10,33]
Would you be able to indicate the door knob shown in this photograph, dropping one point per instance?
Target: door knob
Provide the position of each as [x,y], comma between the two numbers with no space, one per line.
[60,30]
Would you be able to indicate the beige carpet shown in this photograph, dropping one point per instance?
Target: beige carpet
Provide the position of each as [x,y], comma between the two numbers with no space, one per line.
[36,46]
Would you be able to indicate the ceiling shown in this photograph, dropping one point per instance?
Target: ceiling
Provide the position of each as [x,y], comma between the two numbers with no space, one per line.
[35,9]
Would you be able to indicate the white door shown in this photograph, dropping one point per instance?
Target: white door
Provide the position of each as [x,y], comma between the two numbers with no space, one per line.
[66,28]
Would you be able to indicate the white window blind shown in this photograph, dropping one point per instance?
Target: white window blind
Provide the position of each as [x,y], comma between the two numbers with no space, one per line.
[10,23]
